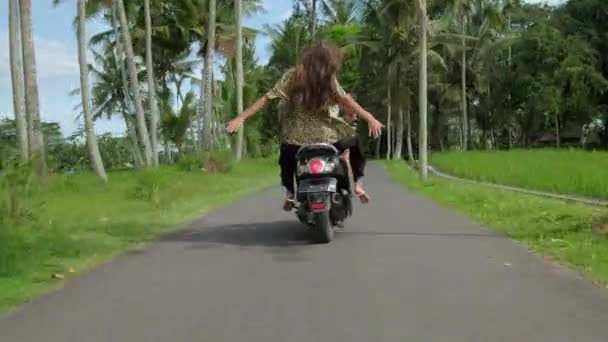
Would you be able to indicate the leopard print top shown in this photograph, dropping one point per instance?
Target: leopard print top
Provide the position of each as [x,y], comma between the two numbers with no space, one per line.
[299,127]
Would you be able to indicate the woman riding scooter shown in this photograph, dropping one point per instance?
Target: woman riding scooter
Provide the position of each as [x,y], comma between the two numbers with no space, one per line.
[311,90]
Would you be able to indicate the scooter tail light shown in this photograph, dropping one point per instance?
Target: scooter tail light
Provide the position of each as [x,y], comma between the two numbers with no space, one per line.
[316,166]
[317,206]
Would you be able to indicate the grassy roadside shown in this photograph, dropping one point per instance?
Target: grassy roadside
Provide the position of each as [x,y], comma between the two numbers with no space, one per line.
[574,235]
[574,172]
[79,222]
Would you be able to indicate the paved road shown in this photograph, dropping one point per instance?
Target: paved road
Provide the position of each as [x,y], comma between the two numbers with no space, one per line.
[404,270]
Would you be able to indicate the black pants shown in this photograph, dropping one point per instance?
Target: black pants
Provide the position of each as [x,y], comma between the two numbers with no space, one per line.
[288,162]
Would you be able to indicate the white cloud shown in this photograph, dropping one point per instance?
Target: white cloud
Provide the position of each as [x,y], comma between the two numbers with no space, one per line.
[54,58]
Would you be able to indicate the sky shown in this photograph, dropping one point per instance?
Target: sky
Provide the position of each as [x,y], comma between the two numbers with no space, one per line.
[57,59]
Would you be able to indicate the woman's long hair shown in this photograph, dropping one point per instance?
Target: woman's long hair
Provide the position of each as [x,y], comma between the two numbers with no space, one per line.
[312,85]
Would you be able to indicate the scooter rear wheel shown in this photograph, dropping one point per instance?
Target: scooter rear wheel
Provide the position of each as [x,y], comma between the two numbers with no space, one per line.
[323,230]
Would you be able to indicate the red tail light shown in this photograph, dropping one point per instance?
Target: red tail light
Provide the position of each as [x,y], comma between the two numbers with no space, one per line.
[316,166]
[317,206]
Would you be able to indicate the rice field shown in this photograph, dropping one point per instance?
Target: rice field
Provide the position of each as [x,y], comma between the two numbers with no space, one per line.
[575,172]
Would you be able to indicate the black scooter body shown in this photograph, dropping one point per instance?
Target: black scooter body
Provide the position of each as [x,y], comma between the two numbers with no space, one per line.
[324,196]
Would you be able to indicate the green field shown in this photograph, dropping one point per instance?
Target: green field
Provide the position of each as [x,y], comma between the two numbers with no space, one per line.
[561,171]
[575,235]
[78,221]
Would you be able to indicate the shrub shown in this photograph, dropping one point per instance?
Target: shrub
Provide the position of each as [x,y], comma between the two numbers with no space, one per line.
[15,256]
[17,194]
[215,161]
[149,185]
[189,162]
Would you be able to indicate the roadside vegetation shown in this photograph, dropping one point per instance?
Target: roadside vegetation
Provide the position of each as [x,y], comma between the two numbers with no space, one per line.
[50,232]
[575,235]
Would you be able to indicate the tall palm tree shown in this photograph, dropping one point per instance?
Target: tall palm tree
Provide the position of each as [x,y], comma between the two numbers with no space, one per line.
[389,112]
[125,100]
[342,12]
[238,10]
[174,125]
[423,93]
[31,88]
[137,100]
[154,113]
[459,10]
[84,91]
[208,89]
[17,78]
[313,20]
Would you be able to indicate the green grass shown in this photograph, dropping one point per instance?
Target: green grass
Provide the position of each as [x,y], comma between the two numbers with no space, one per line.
[574,235]
[572,172]
[78,221]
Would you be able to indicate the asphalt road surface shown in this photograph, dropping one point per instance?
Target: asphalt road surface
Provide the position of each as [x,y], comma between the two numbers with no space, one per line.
[403,270]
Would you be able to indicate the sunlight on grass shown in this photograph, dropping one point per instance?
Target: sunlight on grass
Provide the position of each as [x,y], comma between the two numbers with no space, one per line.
[573,172]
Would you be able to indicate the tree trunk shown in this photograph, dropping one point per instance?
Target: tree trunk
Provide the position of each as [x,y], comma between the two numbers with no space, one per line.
[465,119]
[127,104]
[32,106]
[313,21]
[94,154]
[239,74]
[168,155]
[399,134]
[378,146]
[17,79]
[410,150]
[201,111]
[557,132]
[389,131]
[139,108]
[120,59]
[154,112]
[209,76]
[132,135]
[423,107]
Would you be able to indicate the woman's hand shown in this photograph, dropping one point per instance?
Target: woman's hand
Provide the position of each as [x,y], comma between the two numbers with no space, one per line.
[375,128]
[234,125]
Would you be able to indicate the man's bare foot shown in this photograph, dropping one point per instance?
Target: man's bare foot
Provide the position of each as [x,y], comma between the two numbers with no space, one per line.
[361,193]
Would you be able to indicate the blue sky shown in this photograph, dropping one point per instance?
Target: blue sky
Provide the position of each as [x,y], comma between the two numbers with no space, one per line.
[57,59]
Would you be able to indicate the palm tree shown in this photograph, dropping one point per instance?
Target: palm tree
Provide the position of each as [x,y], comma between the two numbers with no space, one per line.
[110,94]
[313,20]
[422,95]
[341,12]
[239,73]
[151,87]
[174,126]
[84,86]
[139,109]
[389,111]
[459,9]
[125,99]
[17,79]
[31,88]
[208,89]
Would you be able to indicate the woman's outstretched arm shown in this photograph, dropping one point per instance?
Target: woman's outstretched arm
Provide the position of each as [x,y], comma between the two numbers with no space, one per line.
[236,123]
[351,106]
